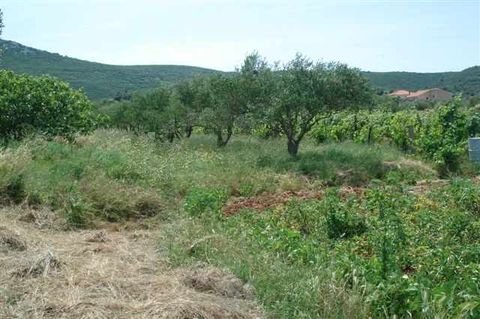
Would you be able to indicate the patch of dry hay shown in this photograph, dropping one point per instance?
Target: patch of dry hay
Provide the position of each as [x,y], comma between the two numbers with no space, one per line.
[10,240]
[97,237]
[123,277]
[213,280]
[42,217]
[409,164]
[43,265]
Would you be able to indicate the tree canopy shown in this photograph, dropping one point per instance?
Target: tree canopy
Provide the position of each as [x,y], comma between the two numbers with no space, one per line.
[297,94]
[288,99]
[42,105]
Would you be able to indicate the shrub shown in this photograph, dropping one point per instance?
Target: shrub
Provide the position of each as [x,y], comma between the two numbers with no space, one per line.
[14,190]
[43,105]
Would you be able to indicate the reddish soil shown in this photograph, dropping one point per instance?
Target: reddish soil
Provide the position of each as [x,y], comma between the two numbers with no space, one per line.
[267,200]
[271,200]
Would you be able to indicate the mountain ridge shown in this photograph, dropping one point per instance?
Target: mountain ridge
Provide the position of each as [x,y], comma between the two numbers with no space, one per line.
[106,80]
[97,79]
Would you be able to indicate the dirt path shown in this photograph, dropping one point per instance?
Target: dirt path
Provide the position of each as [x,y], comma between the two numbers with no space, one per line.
[46,272]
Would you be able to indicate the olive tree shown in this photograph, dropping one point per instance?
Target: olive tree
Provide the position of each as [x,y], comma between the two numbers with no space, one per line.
[305,91]
[223,101]
[157,112]
[190,100]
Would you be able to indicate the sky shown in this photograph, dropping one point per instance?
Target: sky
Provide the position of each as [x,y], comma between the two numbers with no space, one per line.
[373,35]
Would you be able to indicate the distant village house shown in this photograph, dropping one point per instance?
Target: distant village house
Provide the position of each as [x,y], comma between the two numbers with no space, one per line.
[423,95]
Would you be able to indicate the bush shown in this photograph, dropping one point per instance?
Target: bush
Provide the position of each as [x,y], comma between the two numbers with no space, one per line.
[14,190]
[42,105]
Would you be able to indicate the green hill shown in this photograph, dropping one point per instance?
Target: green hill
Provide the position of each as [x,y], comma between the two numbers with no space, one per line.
[466,81]
[98,80]
[105,81]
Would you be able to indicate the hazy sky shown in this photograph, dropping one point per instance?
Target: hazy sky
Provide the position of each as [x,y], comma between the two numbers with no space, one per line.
[402,35]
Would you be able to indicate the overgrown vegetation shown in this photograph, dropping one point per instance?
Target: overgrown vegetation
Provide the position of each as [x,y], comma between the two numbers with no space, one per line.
[385,252]
[384,247]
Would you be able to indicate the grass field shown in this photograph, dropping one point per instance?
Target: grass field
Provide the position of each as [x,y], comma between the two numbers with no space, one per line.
[342,231]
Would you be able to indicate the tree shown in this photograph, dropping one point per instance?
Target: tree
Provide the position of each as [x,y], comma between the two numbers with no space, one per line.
[223,102]
[306,90]
[187,94]
[258,82]
[42,105]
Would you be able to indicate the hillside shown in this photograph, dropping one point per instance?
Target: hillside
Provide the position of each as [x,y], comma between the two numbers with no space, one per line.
[105,81]
[466,81]
[98,80]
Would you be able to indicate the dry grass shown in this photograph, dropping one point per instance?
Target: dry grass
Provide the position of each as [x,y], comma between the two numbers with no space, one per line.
[410,164]
[209,279]
[107,274]
[10,240]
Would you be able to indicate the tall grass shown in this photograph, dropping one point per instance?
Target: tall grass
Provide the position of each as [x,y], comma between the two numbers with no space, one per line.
[115,175]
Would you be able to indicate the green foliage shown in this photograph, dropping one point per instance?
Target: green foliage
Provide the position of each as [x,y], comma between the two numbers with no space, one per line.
[41,105]
[444,138]
[346,164]
[381,250]
[85,183]
[200,201]
[224,101]
[418,257]
[466,195]
[157,112]
[306,91]
[341,222]
[76,211]
[439,134]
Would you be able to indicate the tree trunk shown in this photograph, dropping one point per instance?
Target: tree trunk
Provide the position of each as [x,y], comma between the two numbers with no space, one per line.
[171,137]
[219,138]
[293,147]
[370,131]
[188,131]
[223,142]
